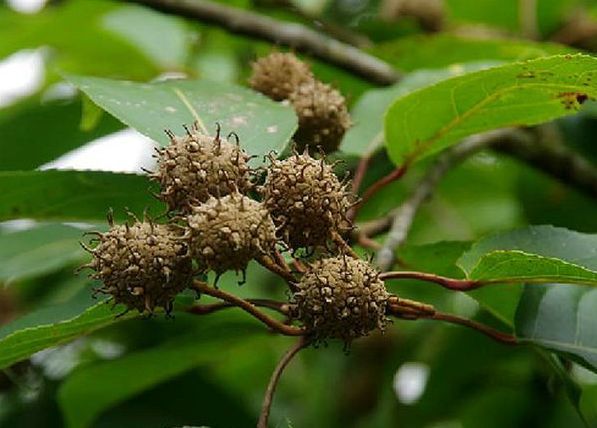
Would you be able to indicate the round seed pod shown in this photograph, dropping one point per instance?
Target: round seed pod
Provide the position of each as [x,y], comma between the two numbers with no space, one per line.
[226,233]
[306,200]
[341,298]
[323,116]
[196,166]
[278,74]
[142,266]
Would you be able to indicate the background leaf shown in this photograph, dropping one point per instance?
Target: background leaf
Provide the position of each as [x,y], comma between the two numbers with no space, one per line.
[261,124]
[536,253]
[43,249]
[53,326]
[441,50]
[366,135]
[560,318]
[528,93]
[91,390]
[57,132]
[74,195]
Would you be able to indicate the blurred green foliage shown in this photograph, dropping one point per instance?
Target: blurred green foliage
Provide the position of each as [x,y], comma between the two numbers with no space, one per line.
[95,370]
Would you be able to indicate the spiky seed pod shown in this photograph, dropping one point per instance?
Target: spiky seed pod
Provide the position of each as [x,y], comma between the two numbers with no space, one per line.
[307,201]
[228,232]
[278,74]
[341,298]
[143,265]
[196,166]
[323,116]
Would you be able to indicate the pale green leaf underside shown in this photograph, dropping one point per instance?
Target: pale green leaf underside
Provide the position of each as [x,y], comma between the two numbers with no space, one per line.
[518,266]
[150,108]
[533,254]
[527,93]
[560,318]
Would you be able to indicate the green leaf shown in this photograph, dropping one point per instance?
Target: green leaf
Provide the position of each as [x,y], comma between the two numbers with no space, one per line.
[536,253]
[532,254]
[53,326]
[366,136]
[528,93]
[261,124]
[560,318]
[23,148]
[441,50]
[90,390]
[43,249]
[74,195]
[54,27]
[165,39]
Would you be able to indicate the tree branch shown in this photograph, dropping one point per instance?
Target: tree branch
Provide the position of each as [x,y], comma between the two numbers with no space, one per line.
[553,157]
[449,283]
[272,323]
[413,310]
[263,303]
[530,146]
[273,382]
[289,34]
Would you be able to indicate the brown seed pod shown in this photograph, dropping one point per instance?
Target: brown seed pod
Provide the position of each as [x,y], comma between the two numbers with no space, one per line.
[143,265]
[323,116]
[341,298]
[278,74]
[226,233]
[307,201]
[196,166]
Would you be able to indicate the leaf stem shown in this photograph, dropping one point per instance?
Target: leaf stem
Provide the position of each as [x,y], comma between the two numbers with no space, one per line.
[504,338]
[280,307]
[273,382]
[396,174]
[449,283]
[249,307]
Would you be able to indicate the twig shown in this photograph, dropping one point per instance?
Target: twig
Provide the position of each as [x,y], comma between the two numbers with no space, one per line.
[413,310]
[504,338]
[336,31]
[341,243]
[274,267]
[527,12]
[214,307]
[449,283]
[294,35]
[376,187]
[359,173]
[553,157]
[472,284]
[273,382]
[404,215]
[274,324]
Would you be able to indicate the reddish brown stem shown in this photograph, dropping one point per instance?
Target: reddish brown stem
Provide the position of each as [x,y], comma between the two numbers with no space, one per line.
[284,273]
[273,382]
[376,187]
[214,307]
[249,307]
[504,338]
[449,283]
[279,258]
[347,249]
[359,173]
[298,266]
